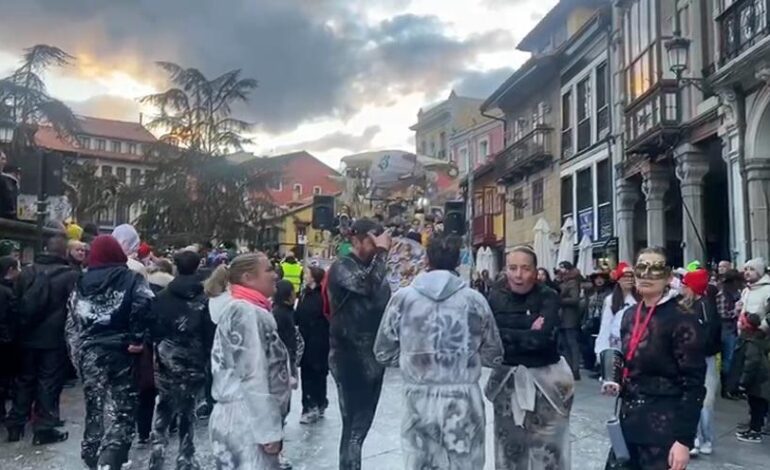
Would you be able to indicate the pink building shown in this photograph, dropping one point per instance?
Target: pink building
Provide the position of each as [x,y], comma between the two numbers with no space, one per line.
[478,143]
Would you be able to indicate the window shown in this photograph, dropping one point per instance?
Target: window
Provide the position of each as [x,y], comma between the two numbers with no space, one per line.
[136,177]
[604,198]
[132,149]
[518,204]
[85,142]
[483,149]
[584,114]
[316,190]
[566,125]
[106,170]
[585,203]
[120,172]
[297,189]
[423,147]
[478,204]
[602,102]
[537,196]
[462,161]
[489,201]
[566,197]
[640,30]
[276,184]
[101,144]
[116,147]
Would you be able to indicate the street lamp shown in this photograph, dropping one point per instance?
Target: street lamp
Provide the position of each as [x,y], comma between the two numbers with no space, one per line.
[678,53]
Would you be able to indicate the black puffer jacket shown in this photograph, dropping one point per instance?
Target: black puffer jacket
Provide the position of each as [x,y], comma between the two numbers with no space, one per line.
[44,329]
[110,308]
[314,328]
[712,324]
[515,314]
[182,330]
[359,294]
[287,331]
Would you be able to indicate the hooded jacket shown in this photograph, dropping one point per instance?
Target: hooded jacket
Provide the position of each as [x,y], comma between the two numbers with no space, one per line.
[439,331]
[110,308]
[45,329]
[569,290]
[358,293]
[314,327]
[751,368]
[515,314]
[756,298]
[182,330]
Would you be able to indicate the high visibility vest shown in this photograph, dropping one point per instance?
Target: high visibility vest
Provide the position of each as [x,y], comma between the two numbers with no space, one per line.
[292,272]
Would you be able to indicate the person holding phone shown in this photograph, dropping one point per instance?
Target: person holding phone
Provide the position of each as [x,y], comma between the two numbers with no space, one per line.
[662,384]
[358,292]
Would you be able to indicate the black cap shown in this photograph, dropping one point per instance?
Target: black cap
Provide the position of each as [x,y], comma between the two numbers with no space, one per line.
[566,265]
[364,226]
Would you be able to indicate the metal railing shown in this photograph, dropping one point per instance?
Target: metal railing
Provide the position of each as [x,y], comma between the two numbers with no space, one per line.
[741,26]
[536,143]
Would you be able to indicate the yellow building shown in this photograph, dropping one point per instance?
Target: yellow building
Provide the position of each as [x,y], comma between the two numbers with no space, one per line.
[437,124]
[294,228]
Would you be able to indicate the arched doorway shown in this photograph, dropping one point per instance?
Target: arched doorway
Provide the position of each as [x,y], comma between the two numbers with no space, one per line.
[757,172]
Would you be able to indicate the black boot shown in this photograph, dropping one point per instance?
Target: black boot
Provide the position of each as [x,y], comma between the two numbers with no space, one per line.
[49,436]
[15,434]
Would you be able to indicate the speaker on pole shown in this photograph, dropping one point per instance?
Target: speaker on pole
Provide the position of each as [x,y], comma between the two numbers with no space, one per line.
[454,217]
[323,212]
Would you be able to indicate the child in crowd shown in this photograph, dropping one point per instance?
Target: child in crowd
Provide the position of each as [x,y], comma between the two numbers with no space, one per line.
[750,374]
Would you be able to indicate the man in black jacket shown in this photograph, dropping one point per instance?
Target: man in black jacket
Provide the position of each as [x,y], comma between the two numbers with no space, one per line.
[359,292]
[533,377]
[183,334]
[42,291]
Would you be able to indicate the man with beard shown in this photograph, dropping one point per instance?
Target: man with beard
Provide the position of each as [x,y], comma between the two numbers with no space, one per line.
[358,292]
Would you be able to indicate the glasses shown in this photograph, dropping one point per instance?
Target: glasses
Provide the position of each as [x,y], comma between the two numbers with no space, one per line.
[652,271]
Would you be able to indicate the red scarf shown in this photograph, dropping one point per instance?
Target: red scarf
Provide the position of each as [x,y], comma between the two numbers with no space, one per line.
[250,295]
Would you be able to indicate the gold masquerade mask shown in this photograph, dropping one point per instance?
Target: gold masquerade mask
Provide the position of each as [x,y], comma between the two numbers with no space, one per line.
[652,271]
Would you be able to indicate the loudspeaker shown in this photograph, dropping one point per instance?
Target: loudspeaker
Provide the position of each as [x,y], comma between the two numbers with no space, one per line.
[30,167]
[454,217]
[323,212]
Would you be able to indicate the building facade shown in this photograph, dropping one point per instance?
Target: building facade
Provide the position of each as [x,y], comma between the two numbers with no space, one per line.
[437,124]
[116,148]
[586,170]
[473,147]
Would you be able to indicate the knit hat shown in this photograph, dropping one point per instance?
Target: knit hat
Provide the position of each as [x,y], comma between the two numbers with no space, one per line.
[693,266]
[144,250]
[697,280]
[105,250]
[74,232]
[127,238]
[617,273]
[757,264]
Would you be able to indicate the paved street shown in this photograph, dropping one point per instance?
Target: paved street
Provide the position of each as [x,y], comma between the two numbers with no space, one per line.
[315,447]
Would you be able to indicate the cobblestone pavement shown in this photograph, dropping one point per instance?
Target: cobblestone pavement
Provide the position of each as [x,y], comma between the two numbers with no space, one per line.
[315,447]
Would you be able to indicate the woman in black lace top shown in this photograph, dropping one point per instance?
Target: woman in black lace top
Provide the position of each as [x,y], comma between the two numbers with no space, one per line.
[662,390]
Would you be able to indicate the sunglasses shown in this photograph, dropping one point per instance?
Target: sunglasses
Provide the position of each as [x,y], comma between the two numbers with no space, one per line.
[652,271]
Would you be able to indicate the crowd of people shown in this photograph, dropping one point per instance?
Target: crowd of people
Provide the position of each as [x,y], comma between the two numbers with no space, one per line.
[159,342]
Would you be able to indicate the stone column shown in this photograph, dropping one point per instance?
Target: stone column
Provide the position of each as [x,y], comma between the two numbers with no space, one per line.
[758,181]
[655,183]
[627,196]
[730,111]
[691,167]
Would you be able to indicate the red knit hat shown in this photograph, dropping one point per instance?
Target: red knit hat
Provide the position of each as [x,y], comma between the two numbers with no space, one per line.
[617,273]
[697,280]
[145,250]
[105,250]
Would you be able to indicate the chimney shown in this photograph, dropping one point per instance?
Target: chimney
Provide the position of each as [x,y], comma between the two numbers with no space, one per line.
[141,119]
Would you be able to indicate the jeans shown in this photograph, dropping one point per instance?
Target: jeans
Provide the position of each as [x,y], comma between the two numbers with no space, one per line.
[706,424]
[570,349]
[729,338]
[758,409]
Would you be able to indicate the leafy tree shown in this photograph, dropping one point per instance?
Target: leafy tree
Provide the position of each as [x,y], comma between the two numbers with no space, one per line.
[196,113]
[195,194]
[90,194]
[24,98]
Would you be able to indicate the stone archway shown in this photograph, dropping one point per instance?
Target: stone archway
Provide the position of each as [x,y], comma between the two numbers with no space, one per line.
[757,172]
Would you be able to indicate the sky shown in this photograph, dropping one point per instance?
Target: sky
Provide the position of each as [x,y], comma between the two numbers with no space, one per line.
[336,77]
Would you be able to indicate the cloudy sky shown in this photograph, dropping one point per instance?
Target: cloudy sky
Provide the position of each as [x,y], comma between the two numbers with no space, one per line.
[335,76]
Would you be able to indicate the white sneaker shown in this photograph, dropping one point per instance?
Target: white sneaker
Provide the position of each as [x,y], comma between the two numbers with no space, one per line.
[694,452]
[706,448]
[283,462]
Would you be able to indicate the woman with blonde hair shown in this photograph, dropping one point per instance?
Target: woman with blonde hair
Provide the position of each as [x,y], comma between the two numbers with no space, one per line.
[250,366]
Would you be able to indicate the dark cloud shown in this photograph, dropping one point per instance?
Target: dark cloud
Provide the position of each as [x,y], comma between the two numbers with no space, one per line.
[107,106]
[336,140]
[312,58]
[481,84]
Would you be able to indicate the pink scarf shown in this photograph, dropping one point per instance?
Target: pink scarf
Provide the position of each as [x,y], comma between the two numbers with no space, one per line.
[250,295]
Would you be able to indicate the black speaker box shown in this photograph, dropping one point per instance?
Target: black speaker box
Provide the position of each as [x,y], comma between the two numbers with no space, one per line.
[454,217]
[323,212]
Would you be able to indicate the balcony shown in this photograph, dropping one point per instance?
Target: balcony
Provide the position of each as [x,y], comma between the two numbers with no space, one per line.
[484,230]
[742,24]
[527,155]
[653,121]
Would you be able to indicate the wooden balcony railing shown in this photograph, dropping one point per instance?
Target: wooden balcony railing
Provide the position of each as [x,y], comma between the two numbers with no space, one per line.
[742,24]
[529,150]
